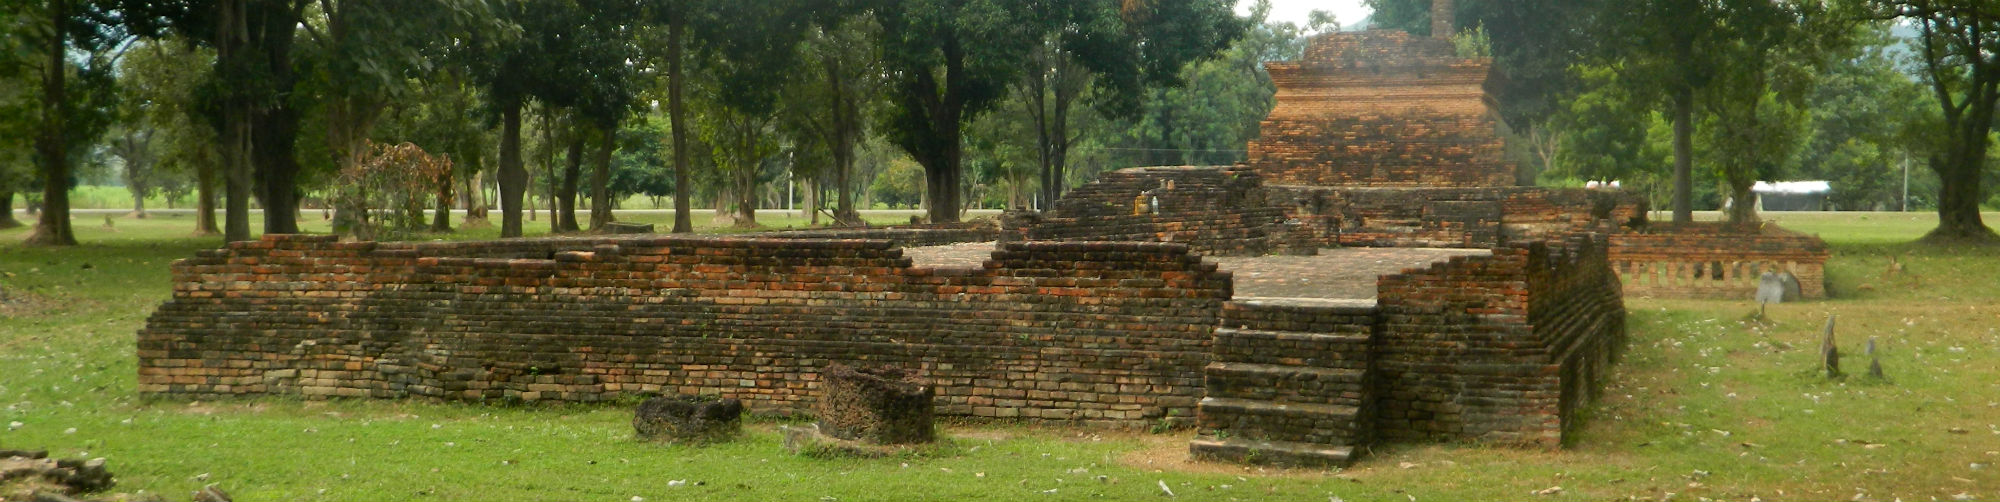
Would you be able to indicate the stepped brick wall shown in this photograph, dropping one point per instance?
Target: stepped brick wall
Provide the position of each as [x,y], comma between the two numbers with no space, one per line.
[935,234]
[1380,108]
[1713,260]
[1452,217]
[1489,348]
[1108,332]
[1219,211]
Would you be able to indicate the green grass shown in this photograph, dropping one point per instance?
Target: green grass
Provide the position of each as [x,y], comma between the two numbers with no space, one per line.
[1703,406]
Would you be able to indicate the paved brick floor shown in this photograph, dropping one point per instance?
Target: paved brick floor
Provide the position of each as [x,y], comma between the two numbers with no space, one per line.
[1346,273]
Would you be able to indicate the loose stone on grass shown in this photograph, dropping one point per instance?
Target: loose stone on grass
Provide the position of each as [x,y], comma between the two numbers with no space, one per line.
[688,419]
[875,405]
[26,474]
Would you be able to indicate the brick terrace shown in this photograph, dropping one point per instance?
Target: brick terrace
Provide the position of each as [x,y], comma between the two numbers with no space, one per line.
[1342,274]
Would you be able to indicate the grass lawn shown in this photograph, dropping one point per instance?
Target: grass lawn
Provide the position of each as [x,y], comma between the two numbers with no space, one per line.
[1704,406]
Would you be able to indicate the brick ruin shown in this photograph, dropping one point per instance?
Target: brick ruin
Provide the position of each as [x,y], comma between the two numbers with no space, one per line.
[1103,310]
[1712,260]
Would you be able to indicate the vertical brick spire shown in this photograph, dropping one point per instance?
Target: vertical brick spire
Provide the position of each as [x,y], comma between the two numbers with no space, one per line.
[1441,17]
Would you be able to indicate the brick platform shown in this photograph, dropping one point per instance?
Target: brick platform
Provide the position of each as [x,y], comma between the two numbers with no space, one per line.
[1109,332]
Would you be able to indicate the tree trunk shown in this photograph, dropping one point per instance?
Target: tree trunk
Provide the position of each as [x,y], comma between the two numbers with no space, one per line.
[204,212]
[942,179]
[441,218]
[237,180]
[1742,203]
[138,198]
[677,114]
[1960,194]
[513,177]
[278,169]
[7,210]
[943,157]
[54,229]
[1683,111]
[600,179]
[566,194]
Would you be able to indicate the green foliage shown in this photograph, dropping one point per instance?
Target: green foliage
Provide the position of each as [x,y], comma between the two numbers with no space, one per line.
[1604,132]
[640,165]
[1208,121]
[901,184]
[1868,119]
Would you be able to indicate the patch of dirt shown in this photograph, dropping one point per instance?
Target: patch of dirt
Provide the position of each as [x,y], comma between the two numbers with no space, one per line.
[1169,453]
[976,434]
[13,302]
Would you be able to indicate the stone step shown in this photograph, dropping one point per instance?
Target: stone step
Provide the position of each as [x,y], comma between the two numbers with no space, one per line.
[1327,316]
[1344,351]
[1280,453]
[1325,424]
[1285,384]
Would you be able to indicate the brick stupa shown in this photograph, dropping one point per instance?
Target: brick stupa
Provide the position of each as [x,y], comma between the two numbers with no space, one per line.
[1381,108]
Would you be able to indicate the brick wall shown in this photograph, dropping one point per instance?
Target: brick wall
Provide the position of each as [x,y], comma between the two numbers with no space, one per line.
[935,234]
[1110,332]
[1219,211]
[1713,260]
[1452,217]
[1496,348]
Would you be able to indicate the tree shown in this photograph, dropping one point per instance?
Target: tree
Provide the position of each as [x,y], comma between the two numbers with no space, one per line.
[514,68]
[159,81]
[1683,46]
[1866,121]
[1958,48]
[1605,127]
[361,56]
[441,114]
[249,100]
[676,17]
[75,95]
[949,61]
[1757,101]
[17,119]
[1219,110]
[827,108]
[1119,50]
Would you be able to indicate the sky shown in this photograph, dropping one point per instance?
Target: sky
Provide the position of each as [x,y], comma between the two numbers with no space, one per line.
[1348,12]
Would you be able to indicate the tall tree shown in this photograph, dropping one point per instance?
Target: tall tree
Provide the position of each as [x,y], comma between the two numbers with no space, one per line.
[1866,124]
[167,75]
[250,99]
[1958,49]
[828,108]
[1209,120]
[1116,51]
[675,22]
[359,57]
[1759,98]
[17,117]
[948,62]
[75,96]
[515,68]
[604,57]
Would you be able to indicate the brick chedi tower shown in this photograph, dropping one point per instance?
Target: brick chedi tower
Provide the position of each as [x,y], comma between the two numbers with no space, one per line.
[1381,108]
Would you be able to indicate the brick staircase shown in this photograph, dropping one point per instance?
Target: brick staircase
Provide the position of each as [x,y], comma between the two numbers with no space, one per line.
[1286,384]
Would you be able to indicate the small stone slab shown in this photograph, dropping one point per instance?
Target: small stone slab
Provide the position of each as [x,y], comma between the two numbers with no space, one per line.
[1770,288]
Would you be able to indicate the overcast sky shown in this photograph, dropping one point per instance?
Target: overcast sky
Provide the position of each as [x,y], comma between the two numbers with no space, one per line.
[1348,12]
